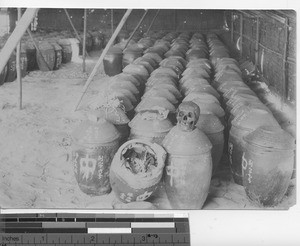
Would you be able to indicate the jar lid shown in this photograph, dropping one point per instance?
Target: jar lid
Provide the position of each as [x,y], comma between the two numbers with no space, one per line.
[161,92]
[153,120]
[115,50]
[153,56]
[186,143]
[209,108]
[254,118]
[209,123]
[227,85]
[133,49]
[95,130]
[127,76]
[202,96]
[114,115]
[149,103]
[202,61]
[136,69]
[271,137]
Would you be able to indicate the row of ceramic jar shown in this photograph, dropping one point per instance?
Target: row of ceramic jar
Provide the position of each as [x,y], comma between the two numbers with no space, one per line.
[261,154]
[151,122]
[188,149]
[96,141]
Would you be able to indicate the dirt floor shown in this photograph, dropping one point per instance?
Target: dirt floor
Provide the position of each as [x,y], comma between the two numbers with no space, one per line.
[35,146]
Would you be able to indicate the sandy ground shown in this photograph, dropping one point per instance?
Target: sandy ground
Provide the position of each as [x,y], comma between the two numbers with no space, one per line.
[35,146]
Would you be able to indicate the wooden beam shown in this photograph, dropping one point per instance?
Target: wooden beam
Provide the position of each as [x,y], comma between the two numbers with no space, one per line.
[241,34]
[154,18]
[99,62]
[284,64]
[18,66]
[16,36]
[135,29]
[84,41]
[257,41]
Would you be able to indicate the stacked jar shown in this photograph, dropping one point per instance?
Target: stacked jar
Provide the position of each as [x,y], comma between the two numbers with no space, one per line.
[195,85]
[251,131]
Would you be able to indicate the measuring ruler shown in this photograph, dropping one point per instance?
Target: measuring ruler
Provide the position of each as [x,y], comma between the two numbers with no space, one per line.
[68,229]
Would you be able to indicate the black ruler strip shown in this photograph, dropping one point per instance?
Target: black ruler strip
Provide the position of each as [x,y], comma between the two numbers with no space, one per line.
[44,230]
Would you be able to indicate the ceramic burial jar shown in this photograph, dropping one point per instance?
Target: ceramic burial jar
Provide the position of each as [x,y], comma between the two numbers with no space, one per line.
[95,143]
[189,164]
[136,170]
[66,50]
[152,125]
[241,126]
[114,112]
[267,164]
[11,73]
[112,62]
[214,130]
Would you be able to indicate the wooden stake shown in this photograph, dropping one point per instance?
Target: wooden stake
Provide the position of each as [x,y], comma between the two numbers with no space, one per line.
[138,25]
[84,41]
[16,36]
[153,21]
[110,42]
[18,66]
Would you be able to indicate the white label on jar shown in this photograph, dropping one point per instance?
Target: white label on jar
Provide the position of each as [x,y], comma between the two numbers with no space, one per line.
[247,164]
[87,166]
[127,197]
[144,196]
[100,165]
[176,170]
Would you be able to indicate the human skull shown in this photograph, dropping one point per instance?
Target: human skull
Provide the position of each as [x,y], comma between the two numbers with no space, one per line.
[187,115]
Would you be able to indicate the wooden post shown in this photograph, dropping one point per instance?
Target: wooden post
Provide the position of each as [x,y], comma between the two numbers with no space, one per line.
[16,36]
[84,40]
[110,42]
[241,34]
[285,49]
[154,18]
[135,29]
[231,28]
[18,66]
[257,41]
[112,21]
